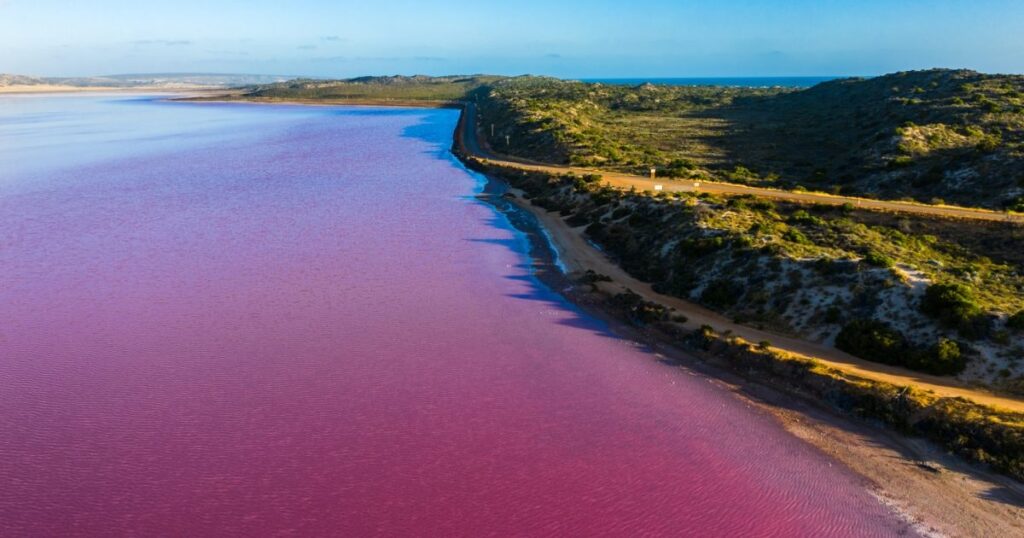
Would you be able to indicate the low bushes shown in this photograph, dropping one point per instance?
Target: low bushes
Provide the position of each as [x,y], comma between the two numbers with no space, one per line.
[1016,321]
[721,293]
[872,340]
[973,431]
[878,259]
[954,305]
[877,342]
[637,310]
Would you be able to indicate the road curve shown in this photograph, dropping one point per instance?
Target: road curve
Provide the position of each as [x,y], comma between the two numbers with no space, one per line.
[471,143]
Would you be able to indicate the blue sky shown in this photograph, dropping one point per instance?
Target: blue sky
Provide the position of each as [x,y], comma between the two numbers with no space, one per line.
[569,38]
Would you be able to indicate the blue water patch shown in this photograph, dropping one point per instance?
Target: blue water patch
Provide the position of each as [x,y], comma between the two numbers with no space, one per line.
[744,82]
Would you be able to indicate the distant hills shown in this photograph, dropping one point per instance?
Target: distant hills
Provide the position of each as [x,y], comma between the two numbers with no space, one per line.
[413,88]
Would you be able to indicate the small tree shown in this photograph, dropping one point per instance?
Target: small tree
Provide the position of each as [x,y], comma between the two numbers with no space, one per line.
[953,304]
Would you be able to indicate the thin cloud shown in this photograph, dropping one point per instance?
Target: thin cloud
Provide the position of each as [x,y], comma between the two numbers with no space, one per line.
[306,47]
[331,59]
[165,42]
[378,59]
[222,52]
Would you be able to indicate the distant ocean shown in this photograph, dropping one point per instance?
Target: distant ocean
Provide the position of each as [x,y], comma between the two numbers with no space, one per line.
[750,82]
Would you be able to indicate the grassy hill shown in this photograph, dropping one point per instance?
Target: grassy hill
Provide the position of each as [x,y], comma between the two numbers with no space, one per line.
[941,134]
[414,88]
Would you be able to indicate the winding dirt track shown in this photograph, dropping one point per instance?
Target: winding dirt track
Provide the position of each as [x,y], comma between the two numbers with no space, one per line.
[474,147]
[579,255]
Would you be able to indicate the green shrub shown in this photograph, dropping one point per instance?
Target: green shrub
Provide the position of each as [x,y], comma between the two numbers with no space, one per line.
[1016,204]
[952,304]
[877,342]
[872,340]
[1016,321]
[760,204]
[721,293]
[944,358]
[700,246]
[679,168]
[901,161]
[803,217]
[878,259]
[796,236]
[639,311]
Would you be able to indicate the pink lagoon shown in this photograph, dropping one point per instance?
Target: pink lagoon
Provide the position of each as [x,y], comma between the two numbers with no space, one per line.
[234,320]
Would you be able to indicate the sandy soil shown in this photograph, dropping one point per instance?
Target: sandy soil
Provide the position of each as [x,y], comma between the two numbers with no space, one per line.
[48,88]
[940,494]
[578,255]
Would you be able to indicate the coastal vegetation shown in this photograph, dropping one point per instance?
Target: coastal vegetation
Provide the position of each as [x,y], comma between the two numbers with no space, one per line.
[392,88]
[975,432]
[940,135]
[936,136]
[936,295]
[932,302]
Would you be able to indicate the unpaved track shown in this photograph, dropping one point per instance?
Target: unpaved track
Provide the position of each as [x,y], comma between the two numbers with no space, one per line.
[579,255]
[473,147]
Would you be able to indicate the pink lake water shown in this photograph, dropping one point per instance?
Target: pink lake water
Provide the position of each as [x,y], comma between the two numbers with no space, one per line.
[231,320]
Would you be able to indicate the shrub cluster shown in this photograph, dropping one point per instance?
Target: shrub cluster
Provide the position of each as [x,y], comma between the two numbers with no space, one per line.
[877,342]
[955,306]
[1016,321]
[972,431]
[637,310]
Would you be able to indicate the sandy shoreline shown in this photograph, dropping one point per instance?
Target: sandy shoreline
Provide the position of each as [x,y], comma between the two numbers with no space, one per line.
[53,88]
[397,103]
[960,499]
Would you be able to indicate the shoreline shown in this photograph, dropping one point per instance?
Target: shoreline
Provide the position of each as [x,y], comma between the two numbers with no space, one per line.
[959,499]
[936,493]
[385,103]
[55,89]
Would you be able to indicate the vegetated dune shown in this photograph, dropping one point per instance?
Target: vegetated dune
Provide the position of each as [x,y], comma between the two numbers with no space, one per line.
[951,134]
[418,87]
[866,283]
